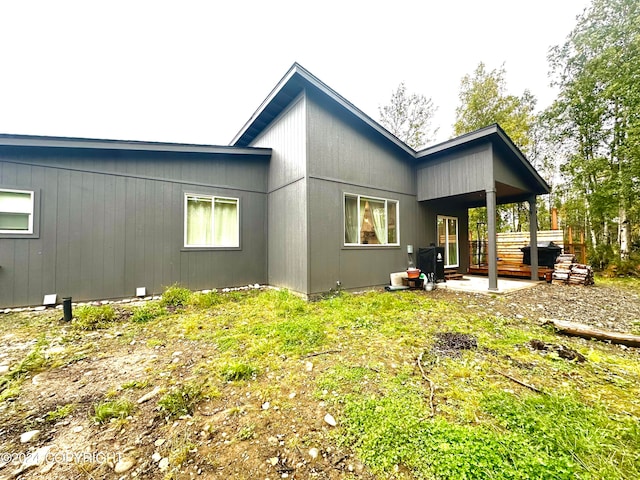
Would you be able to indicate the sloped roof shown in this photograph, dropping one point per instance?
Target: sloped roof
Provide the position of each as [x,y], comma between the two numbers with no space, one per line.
[298,78]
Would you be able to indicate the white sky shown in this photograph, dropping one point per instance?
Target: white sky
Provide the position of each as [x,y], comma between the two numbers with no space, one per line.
[195,71]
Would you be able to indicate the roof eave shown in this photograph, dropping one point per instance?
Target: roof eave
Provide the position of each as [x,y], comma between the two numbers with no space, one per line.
[8,140]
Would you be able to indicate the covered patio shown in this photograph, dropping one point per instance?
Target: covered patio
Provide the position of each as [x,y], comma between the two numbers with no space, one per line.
[482,168]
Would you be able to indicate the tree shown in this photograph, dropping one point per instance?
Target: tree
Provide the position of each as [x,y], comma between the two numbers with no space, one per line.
[597,116]
[484,101]
[408,117]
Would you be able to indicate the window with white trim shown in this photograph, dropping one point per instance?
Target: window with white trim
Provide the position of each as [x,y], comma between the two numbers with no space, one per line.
[16,211]
[370,221]
[211,221]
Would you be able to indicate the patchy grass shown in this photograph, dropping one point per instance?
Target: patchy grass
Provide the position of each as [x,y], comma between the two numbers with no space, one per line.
[245,379]
[112,409]
[92,317]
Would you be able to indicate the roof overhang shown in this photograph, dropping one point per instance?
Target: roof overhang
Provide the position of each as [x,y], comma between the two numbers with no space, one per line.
[293,82]
[501,142]
[32,141]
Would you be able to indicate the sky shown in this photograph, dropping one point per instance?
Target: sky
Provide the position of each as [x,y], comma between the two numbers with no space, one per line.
[195,71]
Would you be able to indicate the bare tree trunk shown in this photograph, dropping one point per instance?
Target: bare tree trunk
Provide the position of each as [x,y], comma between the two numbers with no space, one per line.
[623,235]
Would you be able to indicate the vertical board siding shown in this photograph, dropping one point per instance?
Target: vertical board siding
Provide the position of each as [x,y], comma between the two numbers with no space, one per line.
[104,234]
[455,174]
[342,150]
[287,224]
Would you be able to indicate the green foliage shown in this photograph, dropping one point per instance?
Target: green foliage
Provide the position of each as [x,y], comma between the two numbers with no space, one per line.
[182,400]
[92,317]
[246,433]
[147,312]
[484,101]
[105,411]
[61,412]
[596,120]
[605,445]
[176,296]
[135,384]
[396,429]
[208,300]
[238,371]
[408,117]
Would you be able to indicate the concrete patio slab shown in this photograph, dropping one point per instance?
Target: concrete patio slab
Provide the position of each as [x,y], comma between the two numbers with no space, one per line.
[479,284]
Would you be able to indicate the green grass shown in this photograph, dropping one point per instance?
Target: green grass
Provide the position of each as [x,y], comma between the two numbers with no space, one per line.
[182,400]
[61,412]
[112,409]
[254,346]
[91,317]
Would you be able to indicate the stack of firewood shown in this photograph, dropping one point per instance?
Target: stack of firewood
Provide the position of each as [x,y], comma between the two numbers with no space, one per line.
[567,271]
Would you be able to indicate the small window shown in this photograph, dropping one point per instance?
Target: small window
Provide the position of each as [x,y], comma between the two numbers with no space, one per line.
[370,221]
[16,211]
[211,221]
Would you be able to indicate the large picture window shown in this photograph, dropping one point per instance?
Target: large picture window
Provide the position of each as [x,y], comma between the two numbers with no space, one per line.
[211,221]
[370,221]
[16,211]
[448,238]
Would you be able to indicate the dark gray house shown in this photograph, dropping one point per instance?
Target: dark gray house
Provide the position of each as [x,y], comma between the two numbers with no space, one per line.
[311,191]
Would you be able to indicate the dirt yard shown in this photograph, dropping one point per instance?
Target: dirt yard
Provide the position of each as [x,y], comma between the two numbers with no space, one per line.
[273,425]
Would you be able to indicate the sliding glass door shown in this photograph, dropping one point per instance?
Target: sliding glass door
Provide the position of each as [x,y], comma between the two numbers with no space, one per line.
[448,238]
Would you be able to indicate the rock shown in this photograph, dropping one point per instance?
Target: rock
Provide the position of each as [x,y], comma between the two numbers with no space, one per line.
[273,461]
[156,457]
[124,465]
[159,442]
[34,459]
[78,429]
[266,405]
[313,453]
[47,468]
[328,418]
[29,436]
[292,395]
[273,441]
[163,464]
[40,308]
[38,379]
[148,396]
[4,369]
[308,366]
[176,354]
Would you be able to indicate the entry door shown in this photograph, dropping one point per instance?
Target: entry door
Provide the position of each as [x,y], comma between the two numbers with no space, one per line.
[448,238]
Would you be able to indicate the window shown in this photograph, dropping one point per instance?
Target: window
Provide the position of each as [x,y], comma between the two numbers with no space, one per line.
[370,221]
[211,221]
[448,238]
[16,211]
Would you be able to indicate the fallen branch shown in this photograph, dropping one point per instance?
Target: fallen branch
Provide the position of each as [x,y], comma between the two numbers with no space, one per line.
[431,384]
[588,332]
[321,353]
[519,382]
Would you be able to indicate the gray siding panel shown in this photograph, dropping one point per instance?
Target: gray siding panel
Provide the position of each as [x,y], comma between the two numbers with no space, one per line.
[104,234]
[505,174]
[342,150]
[354,267]
[455,174]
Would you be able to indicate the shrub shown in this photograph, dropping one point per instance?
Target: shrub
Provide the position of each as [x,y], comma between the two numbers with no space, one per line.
[207,300]
[91,317]
[176,296]
[147,312]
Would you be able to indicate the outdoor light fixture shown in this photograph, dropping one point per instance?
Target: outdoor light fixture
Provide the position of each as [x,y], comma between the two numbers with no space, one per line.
[50,300]
[141,292]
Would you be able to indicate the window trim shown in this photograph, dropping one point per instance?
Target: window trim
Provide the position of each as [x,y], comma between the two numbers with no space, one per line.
[213,198]
[386,210]
[446,245]
[34,215]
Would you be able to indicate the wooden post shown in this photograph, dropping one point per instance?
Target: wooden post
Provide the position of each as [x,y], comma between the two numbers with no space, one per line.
[583,248]
[554,218]
[571,241]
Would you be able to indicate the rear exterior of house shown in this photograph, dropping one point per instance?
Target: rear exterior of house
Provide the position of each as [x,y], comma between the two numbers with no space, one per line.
[312,192]
[108,217]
